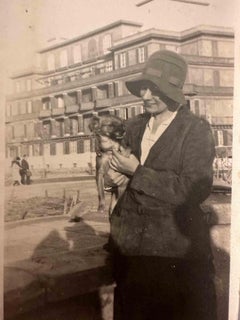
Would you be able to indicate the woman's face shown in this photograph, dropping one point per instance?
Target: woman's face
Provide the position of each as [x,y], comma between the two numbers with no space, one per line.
[151,101]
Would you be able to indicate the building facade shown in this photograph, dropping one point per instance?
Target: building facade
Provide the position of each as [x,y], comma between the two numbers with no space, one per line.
[48,113]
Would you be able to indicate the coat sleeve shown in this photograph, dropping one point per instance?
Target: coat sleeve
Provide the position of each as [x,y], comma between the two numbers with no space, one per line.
[192,183]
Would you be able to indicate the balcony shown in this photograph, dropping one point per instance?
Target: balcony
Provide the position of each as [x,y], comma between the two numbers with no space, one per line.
[222,121]
[77,83]
[87,105]
[57,111]
[104,103]
[45,114]
[72,109]
[19,117]
[194,89]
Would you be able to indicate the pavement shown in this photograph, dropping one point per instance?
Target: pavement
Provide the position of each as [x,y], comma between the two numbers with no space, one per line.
[51,260]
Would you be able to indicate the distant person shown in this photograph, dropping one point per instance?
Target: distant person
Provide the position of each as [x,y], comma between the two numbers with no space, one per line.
[25,172]
[16,167]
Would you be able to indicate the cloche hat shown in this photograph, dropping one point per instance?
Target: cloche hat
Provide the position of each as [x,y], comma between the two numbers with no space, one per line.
[167,71]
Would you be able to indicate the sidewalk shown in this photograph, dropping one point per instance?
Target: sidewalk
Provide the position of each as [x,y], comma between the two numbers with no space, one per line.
[50,259]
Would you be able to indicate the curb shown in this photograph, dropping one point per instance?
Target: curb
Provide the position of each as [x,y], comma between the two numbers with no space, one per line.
[63,179]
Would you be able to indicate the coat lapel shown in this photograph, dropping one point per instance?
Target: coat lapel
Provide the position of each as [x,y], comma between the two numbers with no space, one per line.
[168,135]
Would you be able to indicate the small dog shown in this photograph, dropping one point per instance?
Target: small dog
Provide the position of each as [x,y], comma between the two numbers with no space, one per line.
[109,131]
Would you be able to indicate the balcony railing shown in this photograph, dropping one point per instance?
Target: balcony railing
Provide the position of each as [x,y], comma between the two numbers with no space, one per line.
[222,120]
[57,111]
[87,105]
[104,103]
[45,114]
[72,109]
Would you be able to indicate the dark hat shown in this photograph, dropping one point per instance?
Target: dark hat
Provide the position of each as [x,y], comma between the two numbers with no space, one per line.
[167,71]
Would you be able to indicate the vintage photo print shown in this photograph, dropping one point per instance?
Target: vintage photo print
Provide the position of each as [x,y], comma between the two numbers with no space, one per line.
[119,156]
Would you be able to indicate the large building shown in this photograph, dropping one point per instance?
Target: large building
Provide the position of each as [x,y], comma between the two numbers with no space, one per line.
[48,113]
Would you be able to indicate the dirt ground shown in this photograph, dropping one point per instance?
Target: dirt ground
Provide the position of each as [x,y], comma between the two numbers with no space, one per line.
[47,199]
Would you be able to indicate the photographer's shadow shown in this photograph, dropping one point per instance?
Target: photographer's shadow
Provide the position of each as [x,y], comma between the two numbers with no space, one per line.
[74,247]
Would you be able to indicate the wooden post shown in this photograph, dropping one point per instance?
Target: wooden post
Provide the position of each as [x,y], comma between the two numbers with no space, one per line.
[65,206]
[78,196]
[46,193]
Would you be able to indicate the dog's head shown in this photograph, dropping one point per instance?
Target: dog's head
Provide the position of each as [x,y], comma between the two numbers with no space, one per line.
[109,126]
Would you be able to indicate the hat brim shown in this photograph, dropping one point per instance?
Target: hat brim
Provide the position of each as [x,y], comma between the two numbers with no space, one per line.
[169,90]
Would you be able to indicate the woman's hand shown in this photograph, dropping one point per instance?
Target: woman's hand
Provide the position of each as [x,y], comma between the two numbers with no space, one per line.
[114,178]
[126,165]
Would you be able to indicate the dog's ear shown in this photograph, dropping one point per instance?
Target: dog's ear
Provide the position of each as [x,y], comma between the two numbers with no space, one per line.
[94,124]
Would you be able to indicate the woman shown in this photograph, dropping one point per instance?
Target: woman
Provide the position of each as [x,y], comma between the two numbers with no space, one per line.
[163,265]
[15,171]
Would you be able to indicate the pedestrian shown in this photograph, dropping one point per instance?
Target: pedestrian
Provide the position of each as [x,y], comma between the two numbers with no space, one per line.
[15,168]
[25,172]
[159,237]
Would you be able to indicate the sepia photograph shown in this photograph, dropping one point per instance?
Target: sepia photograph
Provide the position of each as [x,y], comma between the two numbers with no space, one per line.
[119,156]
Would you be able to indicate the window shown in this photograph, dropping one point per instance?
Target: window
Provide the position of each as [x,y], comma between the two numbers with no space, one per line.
[73,146]
[46,130]
[29,106]
[74,126]
[13,132]
[18,86]
[80,146]
[41,149]
[61,128]
[51,62]
[116,62]
[63,58]
[77,54]
[108,66]
[107,43]
[29,84]
[87,145]
[86,95]
[25,131]
[92,48]
[220,137]
[227,136]
[13,152]
[22,107]
[66,149]
[132,57]
[216,78]
[25,149]
[72,98]
[60,102]
[9,110]
[141,54]
[36,149]
[102,92]
[46,104]
[123,60]
[52,149]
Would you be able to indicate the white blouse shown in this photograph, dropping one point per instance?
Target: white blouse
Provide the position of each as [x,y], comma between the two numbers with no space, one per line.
[150,138]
